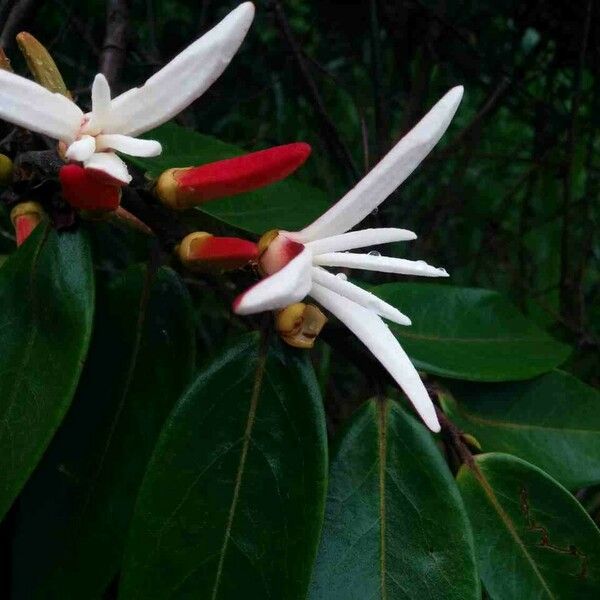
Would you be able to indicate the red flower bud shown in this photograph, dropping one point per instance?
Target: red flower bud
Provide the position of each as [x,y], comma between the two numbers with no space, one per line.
[83,190]
[184,188]
[202,251]
[25,217]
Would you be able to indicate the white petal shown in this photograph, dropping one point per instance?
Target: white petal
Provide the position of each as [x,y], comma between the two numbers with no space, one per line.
[358,295]
[100,105]
[360,239]
[82,149]
[290,284]
[383,264]
[28,104]
[183,80]
[377,337]
[388,174]
[110,164]
[128,145]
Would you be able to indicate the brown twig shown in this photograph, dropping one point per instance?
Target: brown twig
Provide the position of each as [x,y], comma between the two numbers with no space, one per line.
[112,57]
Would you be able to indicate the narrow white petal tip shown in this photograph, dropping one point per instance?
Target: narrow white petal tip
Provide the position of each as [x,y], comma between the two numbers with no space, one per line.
[100,79]
[433,424]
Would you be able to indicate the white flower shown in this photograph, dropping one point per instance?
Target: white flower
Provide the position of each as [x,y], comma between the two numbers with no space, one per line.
[294,261]
[112,124]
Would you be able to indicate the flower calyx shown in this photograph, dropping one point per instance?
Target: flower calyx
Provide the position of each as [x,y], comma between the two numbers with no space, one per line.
[299,324]
[203,252]
[186,187]
[25,217]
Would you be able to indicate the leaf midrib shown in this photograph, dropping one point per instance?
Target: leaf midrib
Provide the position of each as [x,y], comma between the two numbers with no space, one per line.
[250,420]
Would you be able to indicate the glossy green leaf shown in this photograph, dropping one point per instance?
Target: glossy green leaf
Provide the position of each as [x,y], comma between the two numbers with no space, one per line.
[395,526]
[552,421]
[469,333]
[288,204]
[232,501]
[46,310]
[533,539]
[76,509]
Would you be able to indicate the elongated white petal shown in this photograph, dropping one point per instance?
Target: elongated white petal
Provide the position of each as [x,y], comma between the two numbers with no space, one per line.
[183,80]
[100,105]
[28,104]
[361,239]
[128,145]
[358,295]
[383,264]
[290,284]
[109,164]
[377,337]
[388,174]
[82,149]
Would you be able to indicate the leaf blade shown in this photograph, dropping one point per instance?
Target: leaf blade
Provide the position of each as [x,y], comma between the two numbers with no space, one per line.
[245,479]
[384,503]
[47,294]
[544,544]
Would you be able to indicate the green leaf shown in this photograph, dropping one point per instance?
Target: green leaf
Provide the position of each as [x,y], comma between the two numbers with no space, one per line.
[468,333]
[76,509]
[288,204]
[395,525]
[552,421]
[232,501]
[533,539]
[46,309]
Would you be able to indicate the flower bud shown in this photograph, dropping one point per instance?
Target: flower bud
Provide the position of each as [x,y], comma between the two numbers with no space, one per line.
[41,64]
[185,188]
[84,191]
[201,251]
[299,324]
[25,217]
[6,170]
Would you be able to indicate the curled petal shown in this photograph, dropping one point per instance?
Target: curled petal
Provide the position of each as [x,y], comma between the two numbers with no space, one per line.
[388,174]
[202,251]
[358,295]
[108,167]
[29,105]
[361,239]
[84,191]
[82,149]
[289,285]
[184,188]
[128,145]
[377,337]
[183,80]
[383,264]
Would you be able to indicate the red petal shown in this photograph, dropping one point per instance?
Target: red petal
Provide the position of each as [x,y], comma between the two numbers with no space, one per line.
[243,173]
[84,190]
[205,252]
